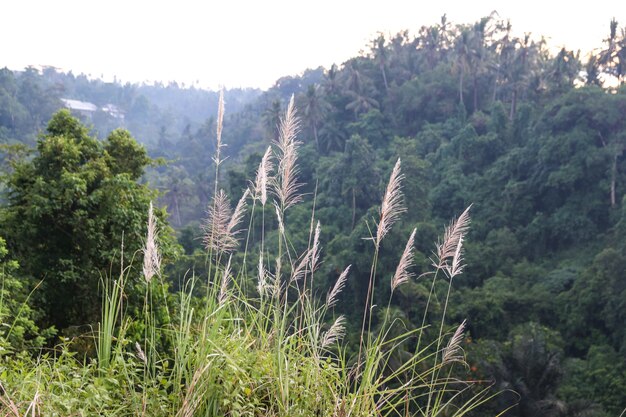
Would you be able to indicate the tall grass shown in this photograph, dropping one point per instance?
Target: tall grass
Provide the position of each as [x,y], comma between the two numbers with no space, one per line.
[272,349]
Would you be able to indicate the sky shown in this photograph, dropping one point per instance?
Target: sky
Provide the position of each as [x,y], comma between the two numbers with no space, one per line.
[252,43]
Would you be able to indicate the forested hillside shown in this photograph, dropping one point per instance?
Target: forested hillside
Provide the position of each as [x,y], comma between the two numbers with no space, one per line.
[530,137]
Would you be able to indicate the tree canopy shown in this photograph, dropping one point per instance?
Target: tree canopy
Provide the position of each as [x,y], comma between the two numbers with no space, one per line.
[75,215]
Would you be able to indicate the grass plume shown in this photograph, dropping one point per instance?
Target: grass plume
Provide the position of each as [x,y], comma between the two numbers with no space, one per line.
[393,204]
[285,185]
[403,273]
[220,234]
[151,256]
[263,177]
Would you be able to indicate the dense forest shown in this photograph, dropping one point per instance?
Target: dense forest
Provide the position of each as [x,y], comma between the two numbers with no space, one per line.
[531,141]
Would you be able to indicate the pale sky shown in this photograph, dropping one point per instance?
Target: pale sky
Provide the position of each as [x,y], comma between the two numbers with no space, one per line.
[251,43]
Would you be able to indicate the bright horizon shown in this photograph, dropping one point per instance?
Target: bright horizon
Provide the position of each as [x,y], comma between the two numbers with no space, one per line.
[245,43]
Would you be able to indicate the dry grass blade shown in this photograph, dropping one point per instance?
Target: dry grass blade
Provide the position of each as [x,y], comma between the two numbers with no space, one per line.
[392,205]
[403,274]
[219,228]
[331,299]
[335,333]
[8,403]
[263,177]
[34,406]
[451,352]
[151,256]
[286,184]
[192,399]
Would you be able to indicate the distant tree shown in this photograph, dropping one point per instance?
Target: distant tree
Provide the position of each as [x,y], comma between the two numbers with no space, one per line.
[381,56]
[462,50]
[39,100]
[592,71]
[613,57]
[12,112]
[354,176]
[530,365]
[271,119]
[314,110]
[70,209]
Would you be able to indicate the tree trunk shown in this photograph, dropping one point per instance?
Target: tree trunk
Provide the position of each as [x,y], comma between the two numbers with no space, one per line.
[177,209]
[513,104]
[353,208]
[382,68]
[613,180]
[317,142]
[461,88]
[475,94]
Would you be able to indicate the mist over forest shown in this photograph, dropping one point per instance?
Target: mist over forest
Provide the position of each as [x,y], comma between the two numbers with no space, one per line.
[524,315]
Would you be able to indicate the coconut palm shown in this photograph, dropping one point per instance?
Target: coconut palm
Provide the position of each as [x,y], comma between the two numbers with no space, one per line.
[314,110]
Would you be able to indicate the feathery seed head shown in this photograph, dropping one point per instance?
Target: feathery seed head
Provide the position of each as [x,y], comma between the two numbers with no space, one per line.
[301,269]
[220,126]
[151,256]
[331,299]
[285,185]
[281,225]
[240,210]
[266,282]
[226,278]
[315,250]
[335,333]
[140,354]
[392,205]
[262,282]
[403,274]
[456,266]
[263,177]
[451,247]
[219,228]
[451,352]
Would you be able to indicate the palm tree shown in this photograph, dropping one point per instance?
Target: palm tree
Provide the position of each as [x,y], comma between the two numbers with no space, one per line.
[360,103]
[271,118]
[478,57]
[531,367]
[519,70]
[315,109]
[613,58]
[592,71]
[503,50]
[331,86]
[358,89]
[462,48]
[380,55]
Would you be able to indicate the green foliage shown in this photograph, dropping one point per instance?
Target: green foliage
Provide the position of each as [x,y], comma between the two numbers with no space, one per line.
[18,331]
[69,210]
[600,375]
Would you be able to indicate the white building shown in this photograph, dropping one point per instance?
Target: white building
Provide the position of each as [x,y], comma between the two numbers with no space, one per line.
[83,108]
